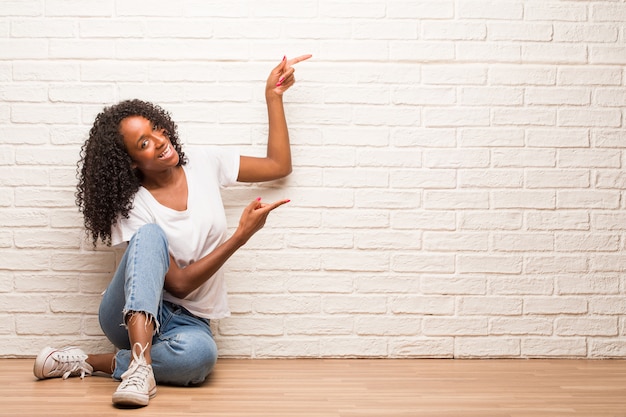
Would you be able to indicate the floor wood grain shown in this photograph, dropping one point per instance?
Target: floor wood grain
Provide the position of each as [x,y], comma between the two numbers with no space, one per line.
[344,388]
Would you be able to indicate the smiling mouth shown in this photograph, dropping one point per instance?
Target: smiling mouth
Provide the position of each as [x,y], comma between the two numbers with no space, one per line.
[167,152]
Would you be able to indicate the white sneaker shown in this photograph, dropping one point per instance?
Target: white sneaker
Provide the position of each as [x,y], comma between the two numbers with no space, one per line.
[138,384]
[66,362]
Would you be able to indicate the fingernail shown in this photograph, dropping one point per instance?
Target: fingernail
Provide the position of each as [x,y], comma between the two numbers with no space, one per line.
[284,57]
[278,84]
[281,80]
[258,199]
[288,201]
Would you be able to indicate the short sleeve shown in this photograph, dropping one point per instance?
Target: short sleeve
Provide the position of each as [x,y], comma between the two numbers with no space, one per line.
[225,160]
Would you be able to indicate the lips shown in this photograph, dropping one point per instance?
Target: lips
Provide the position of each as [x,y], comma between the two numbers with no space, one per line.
[167,152]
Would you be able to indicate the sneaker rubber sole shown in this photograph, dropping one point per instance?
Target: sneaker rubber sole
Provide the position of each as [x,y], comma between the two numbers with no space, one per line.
[133,399]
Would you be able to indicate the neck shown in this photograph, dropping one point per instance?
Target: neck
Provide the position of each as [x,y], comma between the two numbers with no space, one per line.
[163,179]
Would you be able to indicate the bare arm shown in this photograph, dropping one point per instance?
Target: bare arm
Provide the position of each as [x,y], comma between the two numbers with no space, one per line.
[277,162]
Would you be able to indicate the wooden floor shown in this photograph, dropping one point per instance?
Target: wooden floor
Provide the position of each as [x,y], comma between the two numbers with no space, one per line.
[343,388]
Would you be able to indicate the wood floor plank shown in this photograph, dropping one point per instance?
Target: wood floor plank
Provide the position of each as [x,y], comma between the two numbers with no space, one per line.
[344,388]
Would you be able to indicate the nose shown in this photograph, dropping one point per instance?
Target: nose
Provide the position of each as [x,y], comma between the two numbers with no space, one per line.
[160,140]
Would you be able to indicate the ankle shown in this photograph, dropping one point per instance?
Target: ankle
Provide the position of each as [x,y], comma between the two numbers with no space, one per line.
[142,350]
[102,362]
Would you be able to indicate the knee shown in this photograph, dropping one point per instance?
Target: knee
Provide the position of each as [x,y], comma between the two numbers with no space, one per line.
[193,358]
[151,231]
[151,238]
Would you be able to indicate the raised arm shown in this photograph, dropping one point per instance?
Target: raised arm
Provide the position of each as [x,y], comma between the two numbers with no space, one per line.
[277,162]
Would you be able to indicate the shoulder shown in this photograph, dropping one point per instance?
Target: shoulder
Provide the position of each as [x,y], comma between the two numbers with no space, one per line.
[209,152]
[213,157]
[220,162]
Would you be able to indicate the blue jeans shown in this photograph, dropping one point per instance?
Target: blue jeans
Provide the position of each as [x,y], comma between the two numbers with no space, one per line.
[183,350]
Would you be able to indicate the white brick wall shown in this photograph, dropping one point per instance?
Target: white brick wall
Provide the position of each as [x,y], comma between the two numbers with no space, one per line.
[457,188]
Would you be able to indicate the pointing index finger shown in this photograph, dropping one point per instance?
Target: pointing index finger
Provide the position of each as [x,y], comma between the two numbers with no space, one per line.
[277,204]
[301,58]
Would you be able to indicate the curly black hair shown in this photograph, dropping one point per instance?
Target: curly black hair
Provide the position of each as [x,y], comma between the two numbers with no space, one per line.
[107,182]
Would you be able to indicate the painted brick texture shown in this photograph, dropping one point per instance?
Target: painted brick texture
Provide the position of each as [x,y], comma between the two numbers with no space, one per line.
[458,184]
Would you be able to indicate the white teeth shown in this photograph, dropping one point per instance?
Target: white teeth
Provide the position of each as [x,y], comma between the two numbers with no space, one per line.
[166,152]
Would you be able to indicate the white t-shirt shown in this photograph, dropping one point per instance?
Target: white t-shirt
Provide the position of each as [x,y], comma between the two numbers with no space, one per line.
[195,232]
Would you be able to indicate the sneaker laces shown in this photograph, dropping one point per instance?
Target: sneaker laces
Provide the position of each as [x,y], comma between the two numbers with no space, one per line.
[138,371]
[69,361]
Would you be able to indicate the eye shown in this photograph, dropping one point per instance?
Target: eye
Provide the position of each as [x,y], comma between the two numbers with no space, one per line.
[156,126]
[144,144]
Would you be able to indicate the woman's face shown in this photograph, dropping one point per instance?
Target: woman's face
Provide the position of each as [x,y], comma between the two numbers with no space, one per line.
[148,145]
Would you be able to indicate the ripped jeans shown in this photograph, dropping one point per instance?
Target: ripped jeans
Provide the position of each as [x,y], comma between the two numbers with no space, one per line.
[183,350]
